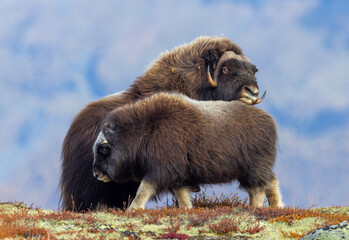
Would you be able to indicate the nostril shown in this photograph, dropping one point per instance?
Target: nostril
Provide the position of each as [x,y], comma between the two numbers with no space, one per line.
[96,172]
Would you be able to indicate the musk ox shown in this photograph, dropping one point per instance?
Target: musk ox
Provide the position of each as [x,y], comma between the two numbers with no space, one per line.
[209,68]
[169,141]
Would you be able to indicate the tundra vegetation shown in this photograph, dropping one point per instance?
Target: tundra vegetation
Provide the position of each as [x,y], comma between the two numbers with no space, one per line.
[213,217]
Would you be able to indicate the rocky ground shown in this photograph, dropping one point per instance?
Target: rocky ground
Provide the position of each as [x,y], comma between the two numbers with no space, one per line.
[212,218]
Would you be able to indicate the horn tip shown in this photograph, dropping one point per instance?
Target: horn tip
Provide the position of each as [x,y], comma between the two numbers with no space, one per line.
[210,80]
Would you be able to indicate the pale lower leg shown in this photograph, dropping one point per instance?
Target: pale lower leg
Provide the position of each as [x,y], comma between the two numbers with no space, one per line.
[273,194]
[183,197]
[144,193]
[256,196]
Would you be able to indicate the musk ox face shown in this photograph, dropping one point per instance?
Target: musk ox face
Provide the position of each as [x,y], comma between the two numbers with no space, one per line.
[110,161]
[234,79]
[102,154]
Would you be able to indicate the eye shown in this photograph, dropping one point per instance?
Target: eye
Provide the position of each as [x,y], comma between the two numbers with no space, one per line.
[104,150]
[225,69]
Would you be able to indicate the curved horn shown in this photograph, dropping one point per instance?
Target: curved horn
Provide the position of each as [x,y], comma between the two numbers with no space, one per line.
[226,56]
[245,58]
[262,98]
[210,80]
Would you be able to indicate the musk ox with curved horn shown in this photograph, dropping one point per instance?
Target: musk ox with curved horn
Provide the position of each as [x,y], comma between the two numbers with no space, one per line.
[209,68]
[169,141]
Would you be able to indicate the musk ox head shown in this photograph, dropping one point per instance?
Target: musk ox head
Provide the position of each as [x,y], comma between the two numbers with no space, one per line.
[111,162]
[208,68]
[234,78]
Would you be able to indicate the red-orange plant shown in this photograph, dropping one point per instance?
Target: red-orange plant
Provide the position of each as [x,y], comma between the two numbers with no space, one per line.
[225,226]
[292,234]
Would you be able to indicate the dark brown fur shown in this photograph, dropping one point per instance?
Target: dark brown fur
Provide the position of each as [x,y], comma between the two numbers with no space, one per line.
[172,141]
[181,70]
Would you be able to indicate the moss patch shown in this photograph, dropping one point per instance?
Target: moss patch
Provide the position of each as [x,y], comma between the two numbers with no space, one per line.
[229,217]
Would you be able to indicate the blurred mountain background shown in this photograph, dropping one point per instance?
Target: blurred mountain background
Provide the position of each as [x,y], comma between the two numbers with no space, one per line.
[57,56]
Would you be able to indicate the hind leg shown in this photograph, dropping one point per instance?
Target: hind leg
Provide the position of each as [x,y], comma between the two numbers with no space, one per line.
[183,197]
[256,195]
[273,193]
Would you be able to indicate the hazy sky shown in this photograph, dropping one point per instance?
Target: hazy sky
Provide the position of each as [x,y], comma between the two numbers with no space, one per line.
[57,56]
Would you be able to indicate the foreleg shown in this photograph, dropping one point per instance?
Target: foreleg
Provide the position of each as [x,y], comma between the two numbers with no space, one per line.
[145,191]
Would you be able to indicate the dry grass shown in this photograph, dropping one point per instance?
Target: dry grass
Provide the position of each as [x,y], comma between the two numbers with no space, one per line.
[212,216]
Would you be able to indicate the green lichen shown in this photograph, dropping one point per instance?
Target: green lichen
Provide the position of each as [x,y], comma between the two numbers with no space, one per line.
[334,209]
[68,225]
[333,232]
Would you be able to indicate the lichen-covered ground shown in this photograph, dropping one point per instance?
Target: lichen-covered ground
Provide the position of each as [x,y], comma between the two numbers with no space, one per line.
[212,218]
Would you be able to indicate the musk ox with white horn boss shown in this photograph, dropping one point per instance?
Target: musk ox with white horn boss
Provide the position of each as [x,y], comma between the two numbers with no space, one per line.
[169,141]
[208,68]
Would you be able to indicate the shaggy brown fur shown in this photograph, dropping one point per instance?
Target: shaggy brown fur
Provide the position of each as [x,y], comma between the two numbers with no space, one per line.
[169,141]
[180,70]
